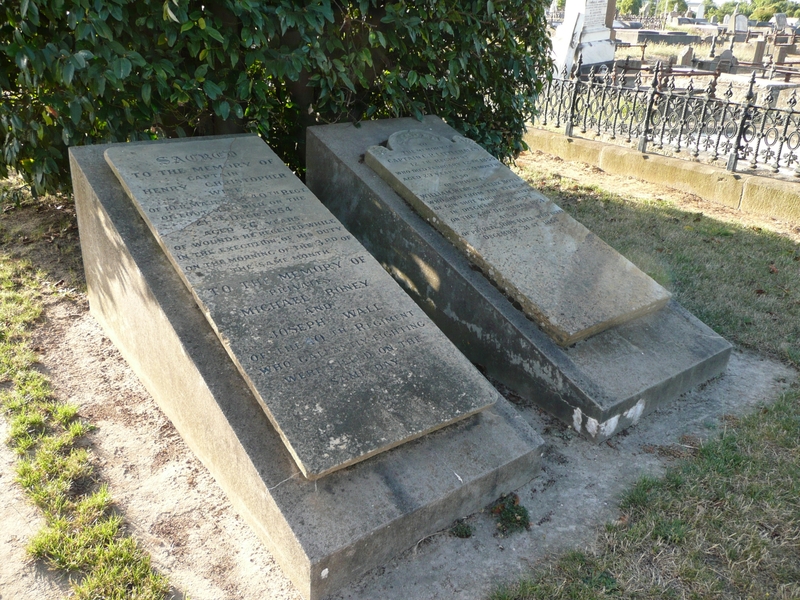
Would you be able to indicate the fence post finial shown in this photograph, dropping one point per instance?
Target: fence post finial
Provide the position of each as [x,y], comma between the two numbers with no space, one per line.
[750,93]
[744,122]
[648,113]
[654,83]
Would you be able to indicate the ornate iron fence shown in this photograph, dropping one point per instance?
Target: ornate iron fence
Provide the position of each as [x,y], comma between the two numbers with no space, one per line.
[662,118]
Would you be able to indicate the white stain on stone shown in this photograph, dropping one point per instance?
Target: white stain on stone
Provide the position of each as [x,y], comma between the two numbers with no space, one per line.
[610,426]
[635,412]
[592,426]
[324,573]
[338,443]
[577,419]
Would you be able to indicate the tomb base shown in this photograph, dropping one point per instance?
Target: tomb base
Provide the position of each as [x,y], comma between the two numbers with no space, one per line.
[324,533]
[600,385]
[598,52]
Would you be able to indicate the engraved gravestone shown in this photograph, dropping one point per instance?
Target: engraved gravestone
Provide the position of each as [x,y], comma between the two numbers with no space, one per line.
[343,362]
[740,23]
[595,14]
[685,56]
[780,21]
[564,277]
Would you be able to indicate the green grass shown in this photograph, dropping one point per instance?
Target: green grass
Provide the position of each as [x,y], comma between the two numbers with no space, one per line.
[743,282]
[82,534]
[726,522]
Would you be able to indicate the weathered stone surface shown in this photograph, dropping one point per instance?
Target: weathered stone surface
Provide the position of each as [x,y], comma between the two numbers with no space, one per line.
[565,278]
[344,363]
[325,533]
[600,385]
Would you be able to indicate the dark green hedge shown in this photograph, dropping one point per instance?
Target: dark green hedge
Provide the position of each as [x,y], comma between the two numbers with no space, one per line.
[82,71]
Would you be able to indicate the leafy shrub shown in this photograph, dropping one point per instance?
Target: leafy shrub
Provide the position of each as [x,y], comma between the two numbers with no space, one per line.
[83,71]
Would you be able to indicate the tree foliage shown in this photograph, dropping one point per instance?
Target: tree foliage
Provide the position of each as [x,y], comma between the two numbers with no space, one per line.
[82,71]
[629,7]
[758,10]
[670,5]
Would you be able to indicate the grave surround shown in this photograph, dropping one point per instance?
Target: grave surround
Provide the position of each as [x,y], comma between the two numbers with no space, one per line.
[564,277]
[344,363]
[324,533]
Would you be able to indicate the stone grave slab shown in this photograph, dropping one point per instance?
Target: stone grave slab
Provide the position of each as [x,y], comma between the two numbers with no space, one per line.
[600,385]
[564,277]
[326,533]
[343,362]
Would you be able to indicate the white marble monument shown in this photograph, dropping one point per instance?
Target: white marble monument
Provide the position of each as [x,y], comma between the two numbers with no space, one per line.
[585,32]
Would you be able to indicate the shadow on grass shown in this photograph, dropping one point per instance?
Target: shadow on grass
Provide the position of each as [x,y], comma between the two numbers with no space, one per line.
[744,282]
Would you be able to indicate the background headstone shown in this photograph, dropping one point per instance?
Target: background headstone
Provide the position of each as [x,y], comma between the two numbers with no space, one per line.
[780,21]
[759,46]
[685,56]
[585,32]
[741,24]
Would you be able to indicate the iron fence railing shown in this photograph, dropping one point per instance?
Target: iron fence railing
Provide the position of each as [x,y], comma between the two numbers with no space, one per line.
[662,118]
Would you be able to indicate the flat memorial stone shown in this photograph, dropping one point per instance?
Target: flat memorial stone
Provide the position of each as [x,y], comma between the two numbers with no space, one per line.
[564,277]
[343,362]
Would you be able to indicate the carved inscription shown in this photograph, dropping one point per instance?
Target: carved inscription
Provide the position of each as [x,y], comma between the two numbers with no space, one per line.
[303,309]
[595,15]
[565,278]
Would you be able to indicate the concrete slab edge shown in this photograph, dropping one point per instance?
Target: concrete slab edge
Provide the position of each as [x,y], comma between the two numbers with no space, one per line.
[750,193]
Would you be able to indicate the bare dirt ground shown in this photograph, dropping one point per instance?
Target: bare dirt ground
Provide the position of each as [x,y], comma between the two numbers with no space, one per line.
[173,506]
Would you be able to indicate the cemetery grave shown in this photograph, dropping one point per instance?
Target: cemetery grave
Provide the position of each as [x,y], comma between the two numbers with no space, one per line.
[338,405]
[161,309]
[599,385]
[343,364]
[566,279]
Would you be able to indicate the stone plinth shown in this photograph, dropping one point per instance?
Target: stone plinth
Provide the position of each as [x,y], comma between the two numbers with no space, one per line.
[325,533]
[343,362]
[600,385]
